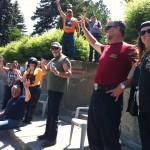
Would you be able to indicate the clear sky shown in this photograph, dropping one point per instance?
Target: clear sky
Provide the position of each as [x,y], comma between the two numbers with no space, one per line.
[27,8]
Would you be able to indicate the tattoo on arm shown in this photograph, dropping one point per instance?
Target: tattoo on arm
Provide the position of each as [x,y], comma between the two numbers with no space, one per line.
[67,62]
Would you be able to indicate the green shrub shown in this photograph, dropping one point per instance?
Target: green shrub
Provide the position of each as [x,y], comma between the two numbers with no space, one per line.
[136,12]
[39,47]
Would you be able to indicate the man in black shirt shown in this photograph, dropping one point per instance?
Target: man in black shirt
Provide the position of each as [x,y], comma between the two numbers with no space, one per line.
[12,116]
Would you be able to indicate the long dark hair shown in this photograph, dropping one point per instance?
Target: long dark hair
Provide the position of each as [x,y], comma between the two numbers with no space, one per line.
[141,48]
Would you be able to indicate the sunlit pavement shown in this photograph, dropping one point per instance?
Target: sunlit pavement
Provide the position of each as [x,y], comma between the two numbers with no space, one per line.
[26,136]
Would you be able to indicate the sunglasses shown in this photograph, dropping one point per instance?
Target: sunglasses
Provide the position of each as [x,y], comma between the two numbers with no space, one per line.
[144,32]
[69,12]
[54,48]
[107,28]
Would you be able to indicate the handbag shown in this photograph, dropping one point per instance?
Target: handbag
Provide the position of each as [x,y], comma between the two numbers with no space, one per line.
[133,108]
[133,97]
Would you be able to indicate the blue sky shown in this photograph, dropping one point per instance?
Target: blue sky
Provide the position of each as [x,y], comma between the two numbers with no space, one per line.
[27,8]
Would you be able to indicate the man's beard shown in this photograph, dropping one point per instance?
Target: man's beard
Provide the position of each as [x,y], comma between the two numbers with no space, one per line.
[108,38]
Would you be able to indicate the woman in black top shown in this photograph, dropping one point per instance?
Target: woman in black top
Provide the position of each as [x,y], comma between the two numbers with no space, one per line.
[144,84]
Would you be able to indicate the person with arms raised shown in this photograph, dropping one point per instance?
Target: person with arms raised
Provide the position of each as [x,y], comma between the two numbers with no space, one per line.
[70,24]
[106,104]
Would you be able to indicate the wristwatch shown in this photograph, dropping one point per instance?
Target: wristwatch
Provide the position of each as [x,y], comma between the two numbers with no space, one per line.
[122,86]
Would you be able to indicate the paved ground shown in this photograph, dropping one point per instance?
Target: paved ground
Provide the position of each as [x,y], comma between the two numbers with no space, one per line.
[7,144]
[26,136]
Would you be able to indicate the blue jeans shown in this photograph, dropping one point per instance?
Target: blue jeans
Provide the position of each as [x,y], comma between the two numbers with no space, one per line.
[68,38]
[9,123]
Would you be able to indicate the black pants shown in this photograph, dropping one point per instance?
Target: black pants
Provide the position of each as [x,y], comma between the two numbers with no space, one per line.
[103,121]
[54,99]
[31,104]
[96,56]
[7,95]
[144,127]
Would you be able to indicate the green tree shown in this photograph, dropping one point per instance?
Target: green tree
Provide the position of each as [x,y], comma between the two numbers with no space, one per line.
[5,20]
[136,12]
[18,19]
[15,34]
[10,18]
[45,15]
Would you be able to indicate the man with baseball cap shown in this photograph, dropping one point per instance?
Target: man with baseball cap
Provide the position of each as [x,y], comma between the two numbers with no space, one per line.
[70,24]
[59,72]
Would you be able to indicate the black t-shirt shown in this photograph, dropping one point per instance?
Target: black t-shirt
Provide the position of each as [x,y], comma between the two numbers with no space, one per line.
[144,84]
[15,108]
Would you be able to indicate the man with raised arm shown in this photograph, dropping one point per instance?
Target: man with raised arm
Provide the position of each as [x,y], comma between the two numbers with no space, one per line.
[12,116]
[70,24]
[106,104]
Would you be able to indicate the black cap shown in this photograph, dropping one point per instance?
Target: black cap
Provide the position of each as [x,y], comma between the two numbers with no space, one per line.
[32,60]
[56,44]
[145,24]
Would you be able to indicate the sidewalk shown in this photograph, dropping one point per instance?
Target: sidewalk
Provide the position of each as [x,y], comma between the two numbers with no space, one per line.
[26,136]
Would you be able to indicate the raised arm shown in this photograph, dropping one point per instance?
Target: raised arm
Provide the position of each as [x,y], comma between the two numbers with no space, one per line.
[45,68]
[85,17]
[27,92]
[62,14]
[4,69]
[90,38]
[78,30]
[19,76]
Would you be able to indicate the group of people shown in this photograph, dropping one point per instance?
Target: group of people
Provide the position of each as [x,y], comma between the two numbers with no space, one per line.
[21,108]
[70,24]
[117,59]
[105,109]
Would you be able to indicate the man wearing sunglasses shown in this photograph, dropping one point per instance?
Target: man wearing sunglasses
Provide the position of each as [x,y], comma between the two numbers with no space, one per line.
[70,24]
[106,103]
[59,72]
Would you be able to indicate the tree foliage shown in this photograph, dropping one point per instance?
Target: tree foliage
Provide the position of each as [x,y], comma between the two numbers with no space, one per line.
[47,15]
[10,18]
[17,18]
[127,1]
[39,47]
[136,12]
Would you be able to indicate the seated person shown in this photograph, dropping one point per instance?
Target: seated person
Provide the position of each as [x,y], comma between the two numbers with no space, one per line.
[12,116]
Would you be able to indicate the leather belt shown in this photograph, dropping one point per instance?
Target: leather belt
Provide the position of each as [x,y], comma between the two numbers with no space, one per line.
[32,87]
[102,87]
[69,32]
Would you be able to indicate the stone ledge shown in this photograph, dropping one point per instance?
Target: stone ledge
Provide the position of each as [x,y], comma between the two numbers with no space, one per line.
[13,137]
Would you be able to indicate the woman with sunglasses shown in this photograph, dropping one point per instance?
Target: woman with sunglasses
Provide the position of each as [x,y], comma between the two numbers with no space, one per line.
[144,84]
